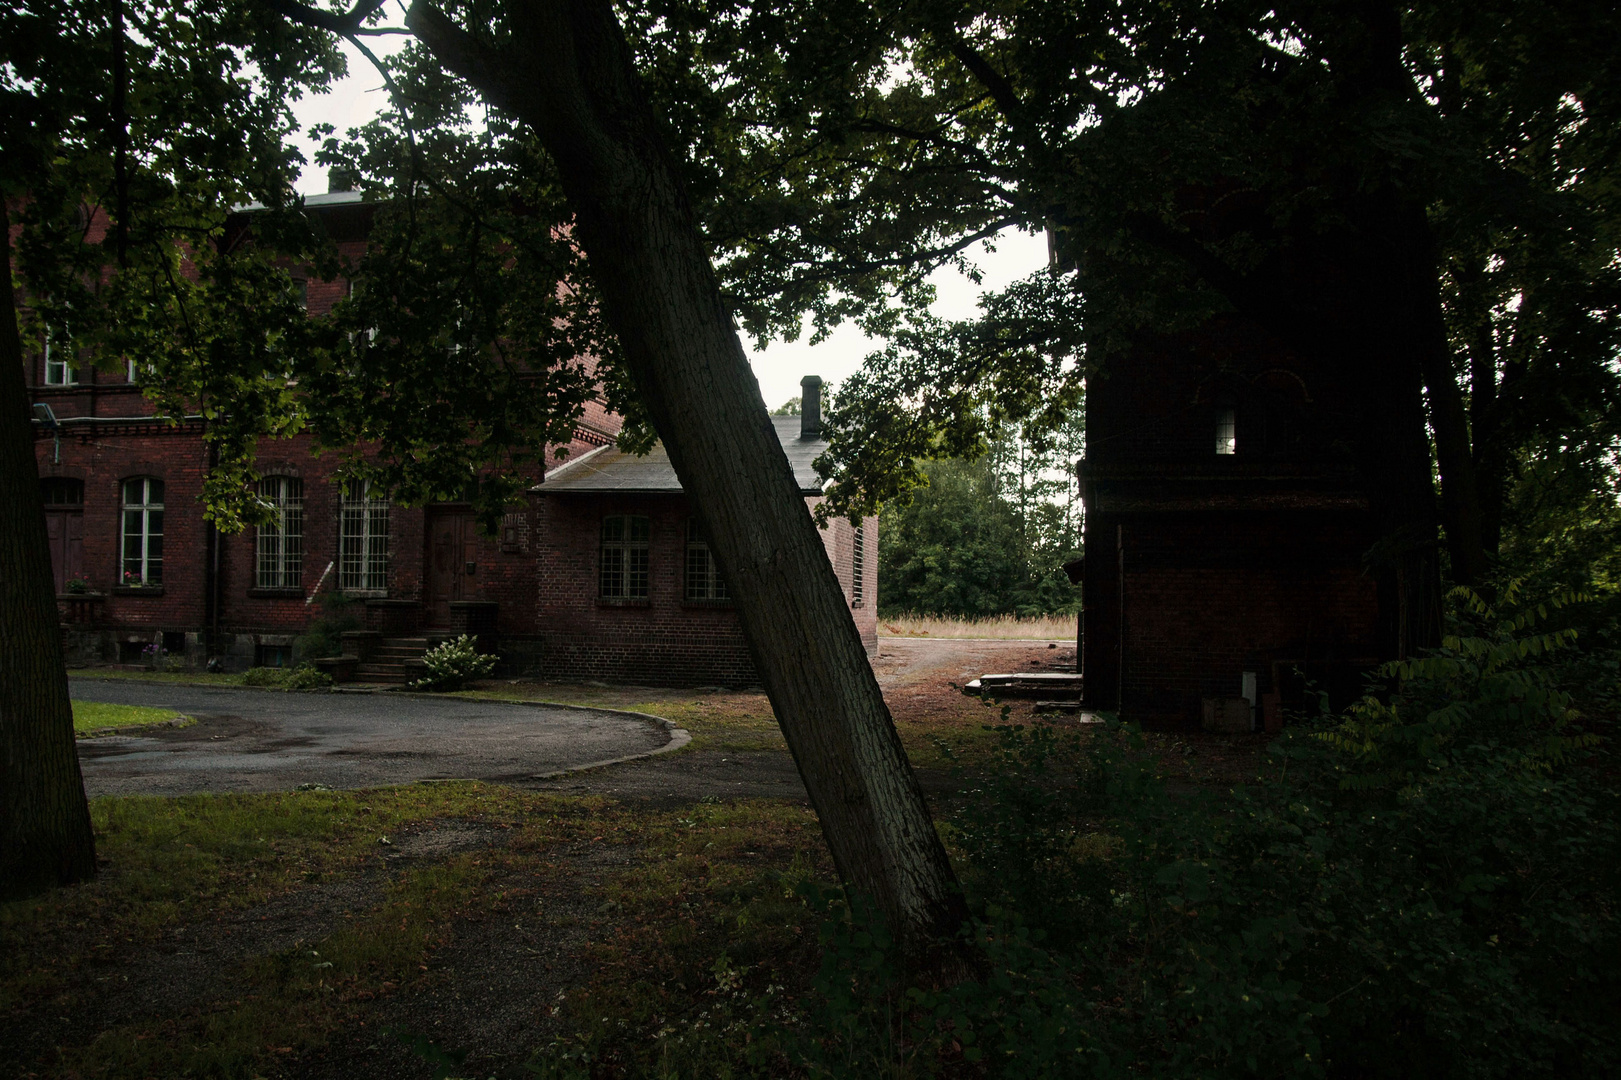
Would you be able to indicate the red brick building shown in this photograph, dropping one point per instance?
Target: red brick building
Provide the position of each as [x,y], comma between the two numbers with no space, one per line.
[1225,538]
[660,612]
[140,572]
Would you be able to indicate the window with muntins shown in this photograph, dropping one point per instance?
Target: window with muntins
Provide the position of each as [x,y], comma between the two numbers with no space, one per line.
[62,491]
[703,576]
[1226,432]
[279,543]
[858,568]
[363,539]
[142,541]
[625,557]
[59,359]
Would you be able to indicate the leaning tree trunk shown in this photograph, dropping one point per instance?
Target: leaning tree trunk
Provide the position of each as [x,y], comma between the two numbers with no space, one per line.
[45,834]
[566,70]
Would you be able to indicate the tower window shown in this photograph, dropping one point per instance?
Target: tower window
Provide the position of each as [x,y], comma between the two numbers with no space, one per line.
[1226,432]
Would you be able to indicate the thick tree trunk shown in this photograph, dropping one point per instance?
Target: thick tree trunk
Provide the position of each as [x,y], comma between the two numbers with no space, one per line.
[45,834]
[567,71]
[1461,508]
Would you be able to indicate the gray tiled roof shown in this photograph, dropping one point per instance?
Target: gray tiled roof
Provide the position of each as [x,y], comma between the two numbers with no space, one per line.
[609,468]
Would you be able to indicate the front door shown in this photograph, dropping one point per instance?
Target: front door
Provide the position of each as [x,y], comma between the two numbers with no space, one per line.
[452,549]
[66,531]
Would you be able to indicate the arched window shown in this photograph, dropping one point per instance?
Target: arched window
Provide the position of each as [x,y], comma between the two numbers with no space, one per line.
[142,540]
[626,539]
[279,543]
[703,576]
[363,539]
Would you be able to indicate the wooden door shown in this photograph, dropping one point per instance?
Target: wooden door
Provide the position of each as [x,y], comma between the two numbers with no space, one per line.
[452,549]
[65,528]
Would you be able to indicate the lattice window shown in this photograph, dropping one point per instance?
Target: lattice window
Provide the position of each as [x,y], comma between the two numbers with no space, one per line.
[858,567]
[703,576]
[279,544]
[59,369]
[363,539]
[142,528]
[1226,432]
[625,557]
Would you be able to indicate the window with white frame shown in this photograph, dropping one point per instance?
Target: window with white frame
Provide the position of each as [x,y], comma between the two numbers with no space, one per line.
[703,576]
[858,567]
[363,539]
[142,539]
[59,370]
[1226,432]
[626,542]
[279,543]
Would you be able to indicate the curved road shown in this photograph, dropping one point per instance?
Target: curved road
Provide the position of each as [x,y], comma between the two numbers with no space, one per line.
[257,740]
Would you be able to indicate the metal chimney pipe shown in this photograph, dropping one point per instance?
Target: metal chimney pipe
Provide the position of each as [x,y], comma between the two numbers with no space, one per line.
[810,407]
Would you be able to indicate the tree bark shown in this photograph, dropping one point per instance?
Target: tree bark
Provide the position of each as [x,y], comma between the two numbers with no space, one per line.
[566,70]
[45,833]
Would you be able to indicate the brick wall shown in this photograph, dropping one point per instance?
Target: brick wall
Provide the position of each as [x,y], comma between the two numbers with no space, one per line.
[666,640]
[1250,561]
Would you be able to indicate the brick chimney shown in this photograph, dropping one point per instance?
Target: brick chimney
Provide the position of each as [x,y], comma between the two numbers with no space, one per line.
[810,407]
[339,179]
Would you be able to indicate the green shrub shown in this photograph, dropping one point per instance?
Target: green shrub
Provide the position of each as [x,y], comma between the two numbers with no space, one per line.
[451,664]
[303,677]
[324,635]
[1423,887]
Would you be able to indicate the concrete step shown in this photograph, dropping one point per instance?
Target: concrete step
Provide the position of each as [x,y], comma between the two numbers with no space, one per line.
[1047,685]
[420,644]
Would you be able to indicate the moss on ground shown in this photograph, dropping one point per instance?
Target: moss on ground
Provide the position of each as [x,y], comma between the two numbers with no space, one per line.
[91,717]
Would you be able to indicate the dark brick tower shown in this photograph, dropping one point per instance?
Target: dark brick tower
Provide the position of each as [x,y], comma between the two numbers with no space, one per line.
[1226,534]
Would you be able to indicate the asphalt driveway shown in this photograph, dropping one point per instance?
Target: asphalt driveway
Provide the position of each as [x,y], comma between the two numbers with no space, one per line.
[254,740]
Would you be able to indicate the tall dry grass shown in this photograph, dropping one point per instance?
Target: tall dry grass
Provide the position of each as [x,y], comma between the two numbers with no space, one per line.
[1040,627]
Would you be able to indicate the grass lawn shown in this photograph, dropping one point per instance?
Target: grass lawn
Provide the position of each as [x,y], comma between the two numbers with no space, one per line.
[90,717]
[324,919]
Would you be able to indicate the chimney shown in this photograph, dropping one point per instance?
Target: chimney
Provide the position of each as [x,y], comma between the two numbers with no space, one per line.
[339,179]
[810,407]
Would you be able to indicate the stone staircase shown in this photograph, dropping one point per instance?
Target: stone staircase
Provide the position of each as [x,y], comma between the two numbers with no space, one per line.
[394,661]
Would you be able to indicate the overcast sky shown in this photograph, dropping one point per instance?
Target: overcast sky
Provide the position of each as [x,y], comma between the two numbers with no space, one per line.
[779,367]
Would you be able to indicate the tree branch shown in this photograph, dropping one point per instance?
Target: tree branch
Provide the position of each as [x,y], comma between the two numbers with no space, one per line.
[338,22]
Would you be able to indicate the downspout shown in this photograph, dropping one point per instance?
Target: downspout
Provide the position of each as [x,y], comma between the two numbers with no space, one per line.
[211,572]
[1120,571]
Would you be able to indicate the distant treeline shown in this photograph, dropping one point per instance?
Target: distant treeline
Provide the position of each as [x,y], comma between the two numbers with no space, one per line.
[985,537]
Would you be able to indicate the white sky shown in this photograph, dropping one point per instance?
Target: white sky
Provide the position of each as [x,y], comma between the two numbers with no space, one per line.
[779,367]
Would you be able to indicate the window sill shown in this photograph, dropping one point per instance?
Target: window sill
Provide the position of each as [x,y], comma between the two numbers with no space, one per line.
[266,593]
[624,601]
[702,603]
[365,594]
[137,590]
